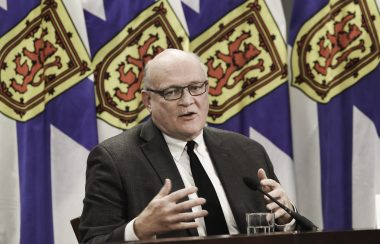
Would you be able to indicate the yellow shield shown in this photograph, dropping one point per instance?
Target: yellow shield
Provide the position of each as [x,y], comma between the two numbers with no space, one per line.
[336,48]
[119,64]
[246,59]
[40,58]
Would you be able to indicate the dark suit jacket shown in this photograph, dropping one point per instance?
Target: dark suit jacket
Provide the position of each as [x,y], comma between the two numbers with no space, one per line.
[125,172]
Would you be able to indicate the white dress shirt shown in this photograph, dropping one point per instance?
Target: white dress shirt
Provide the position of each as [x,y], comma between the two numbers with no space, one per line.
[181,158]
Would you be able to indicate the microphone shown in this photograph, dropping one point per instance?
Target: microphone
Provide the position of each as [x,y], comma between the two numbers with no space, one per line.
[302,221]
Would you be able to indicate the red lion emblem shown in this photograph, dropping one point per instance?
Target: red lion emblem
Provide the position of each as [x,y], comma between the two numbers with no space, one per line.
[43,50]
[234,60]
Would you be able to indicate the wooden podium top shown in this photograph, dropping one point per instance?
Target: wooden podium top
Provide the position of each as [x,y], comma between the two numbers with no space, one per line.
[325,237]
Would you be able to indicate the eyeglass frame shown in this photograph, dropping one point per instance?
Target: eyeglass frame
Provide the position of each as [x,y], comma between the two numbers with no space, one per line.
[162,92]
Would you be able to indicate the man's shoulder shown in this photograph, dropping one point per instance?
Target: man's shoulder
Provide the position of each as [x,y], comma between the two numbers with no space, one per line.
[127,137]
[227,135]
[222,132]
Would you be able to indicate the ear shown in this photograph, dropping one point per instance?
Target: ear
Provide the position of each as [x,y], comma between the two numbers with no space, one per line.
[146,100]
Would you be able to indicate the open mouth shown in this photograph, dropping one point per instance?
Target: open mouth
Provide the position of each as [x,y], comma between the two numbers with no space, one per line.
[189,114]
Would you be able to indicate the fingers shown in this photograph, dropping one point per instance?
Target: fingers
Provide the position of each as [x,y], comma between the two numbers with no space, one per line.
[183,226]
[281,216]
[167,211]
[276,191]
[188,216]
[184,220]
[279,196]
[261,174]
[165,189]
[180,194]
[273,206]
[186,205]
[177,195]
[270,183]
[263,178]
[279,212]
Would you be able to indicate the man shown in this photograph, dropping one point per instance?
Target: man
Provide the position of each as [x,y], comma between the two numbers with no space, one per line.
[142,183]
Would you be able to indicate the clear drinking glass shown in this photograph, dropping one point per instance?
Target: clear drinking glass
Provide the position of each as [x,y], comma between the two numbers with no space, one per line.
[259,223]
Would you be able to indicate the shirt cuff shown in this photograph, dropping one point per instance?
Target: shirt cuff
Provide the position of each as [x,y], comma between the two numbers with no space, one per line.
[129,233]
[287,227]
[291,226]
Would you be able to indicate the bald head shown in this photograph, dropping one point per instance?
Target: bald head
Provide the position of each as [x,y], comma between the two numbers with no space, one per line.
[179,75]
[167,63]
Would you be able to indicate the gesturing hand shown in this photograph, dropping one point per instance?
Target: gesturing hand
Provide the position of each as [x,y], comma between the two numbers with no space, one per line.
[165,213]
[275,190]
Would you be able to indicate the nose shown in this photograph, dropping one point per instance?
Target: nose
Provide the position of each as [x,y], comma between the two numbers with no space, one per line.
[186,99]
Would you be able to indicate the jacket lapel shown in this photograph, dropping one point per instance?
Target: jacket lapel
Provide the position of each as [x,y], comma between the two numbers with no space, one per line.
[158,154]
[161,160]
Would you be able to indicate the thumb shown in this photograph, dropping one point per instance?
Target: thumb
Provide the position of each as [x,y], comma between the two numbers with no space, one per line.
[165,189]
[261,174]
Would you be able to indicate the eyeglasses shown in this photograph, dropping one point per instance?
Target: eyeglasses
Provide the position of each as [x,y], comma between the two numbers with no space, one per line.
[176,92]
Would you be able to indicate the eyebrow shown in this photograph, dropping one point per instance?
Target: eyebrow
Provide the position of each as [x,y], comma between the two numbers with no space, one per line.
[191,83]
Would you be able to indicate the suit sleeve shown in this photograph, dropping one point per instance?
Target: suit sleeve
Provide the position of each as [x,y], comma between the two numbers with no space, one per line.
[103,218]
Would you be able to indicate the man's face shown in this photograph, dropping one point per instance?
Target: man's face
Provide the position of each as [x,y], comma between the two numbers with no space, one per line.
[183,118]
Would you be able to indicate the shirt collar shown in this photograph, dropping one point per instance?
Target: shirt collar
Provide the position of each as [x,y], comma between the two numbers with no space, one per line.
[199,141]
[177,146]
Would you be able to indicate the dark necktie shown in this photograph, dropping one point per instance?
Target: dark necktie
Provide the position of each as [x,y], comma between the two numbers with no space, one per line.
[215,221]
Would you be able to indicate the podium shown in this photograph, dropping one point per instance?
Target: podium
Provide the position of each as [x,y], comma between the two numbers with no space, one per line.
[325,237]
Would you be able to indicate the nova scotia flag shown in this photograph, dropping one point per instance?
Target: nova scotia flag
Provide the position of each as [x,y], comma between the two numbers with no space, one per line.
[335,114]
[48,121]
